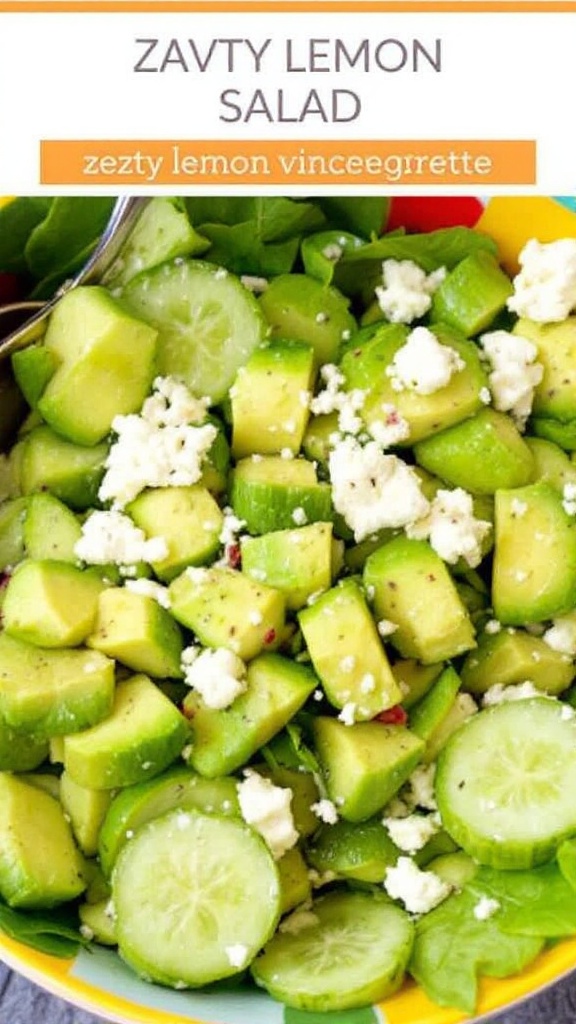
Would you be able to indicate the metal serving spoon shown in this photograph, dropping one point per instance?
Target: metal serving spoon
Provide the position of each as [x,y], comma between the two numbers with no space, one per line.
[23,323]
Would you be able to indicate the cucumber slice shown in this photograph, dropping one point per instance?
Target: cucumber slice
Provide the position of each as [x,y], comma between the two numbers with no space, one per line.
[214,902]
[208,323]
[355,954]
[505,783]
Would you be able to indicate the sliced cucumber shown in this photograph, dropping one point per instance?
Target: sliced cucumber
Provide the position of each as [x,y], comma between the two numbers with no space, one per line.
[196,896]
[505,783]
[355,954]
[208,323]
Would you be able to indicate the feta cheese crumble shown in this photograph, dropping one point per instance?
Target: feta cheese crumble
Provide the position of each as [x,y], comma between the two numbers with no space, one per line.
[267,808]
[569,499]
[299,516]
[113,537]
[452,528]
[237,954]
[218,676]
[486,908]
[159,447]
[420,787]
[326,811]
[419,891]
[385,627]
[423,364]
[406,293]
[561,636]
[392,429]
[372,490]
[150,589]
[500,694]
[411,833]
[493,627]
[348,713]
[333,399]
[514,373]
[545,288]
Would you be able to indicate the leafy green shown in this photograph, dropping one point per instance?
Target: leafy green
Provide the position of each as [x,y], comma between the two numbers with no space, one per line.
[271,218]
[316,252]
[453,948]
[539,902]
[238,249]
[17,221]
[566,857]
[363,215]
[55,935]
[71,225]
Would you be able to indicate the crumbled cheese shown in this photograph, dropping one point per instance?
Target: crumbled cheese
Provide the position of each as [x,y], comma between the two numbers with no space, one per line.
[419,891]
[465,705]
[326,811]
[254,284]
[514,372]
[197,574]
[367,683]
[150,589]
[452,528]
[386,627]
[518,508]
[255,618]
[299,516]
[423,364]
[86,932]
[231,527]
[485,396]
[372,490]
[407,291]
[545,288]
[485,908]
[561,636]
[392,429]
[569,499]
[420,788]
[298,922]
[567,712]
[318,695]
[492,627]
[333,399]
[348,663]
[218,676]
[267,808]
[113,537]
[237,954]
[348,713]
[411,833]
[500,694]
[160,447]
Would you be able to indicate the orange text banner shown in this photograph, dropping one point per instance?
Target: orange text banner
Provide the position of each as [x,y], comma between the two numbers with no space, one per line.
[284,162]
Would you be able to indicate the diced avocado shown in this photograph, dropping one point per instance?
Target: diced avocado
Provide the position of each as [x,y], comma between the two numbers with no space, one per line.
[304,793]
[295,884]
[361,850]
[482,454]
[365,367]
[51,604]
[39,863]
[53,692]
[51,530]
[427,715]
[551,464]
[316,441]
[227,609]
[43,780]
[347,652]
[276,494]
[33,367]
[216,461]
[86,809]
[439,844]
[472,295]
[99,922]
[414,679]
[560,432]
[534,572]
[136,630]
[555,395]
[188,519]
[455,868]
[270,399]
[413,589]
[510,657]
[143,735]
[177,787]
[69,471]
[296,306]
[56,748]
[12,517]
[20,752]
[162,232]
[102,350]
[364,765]
[296,562]
[223,741]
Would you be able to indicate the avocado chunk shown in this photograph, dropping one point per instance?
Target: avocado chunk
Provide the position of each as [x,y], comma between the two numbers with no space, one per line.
[53,692]
[297,562]
[98,919]
[414,679]
[136,630]
[440,713]
[39,863]
[189,520]
[69,471]
[551,464]
[296,306]
[223,741]
[273,493]
[139,739]
[365,367]
[51,604]
[51,530]
[101,350]
[361,850]
[347,652]
[295,884]
[162,232]
[33,367]
[413,589]
[20,752]
[560,432]
[270,399]
[508,658]
[472,295]
[227,609]
[364,765]
[555,395]
[483,454]
[534,573]
[12,518]
[86,809]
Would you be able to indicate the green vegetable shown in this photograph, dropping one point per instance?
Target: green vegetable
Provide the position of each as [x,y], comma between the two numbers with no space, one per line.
[55,935]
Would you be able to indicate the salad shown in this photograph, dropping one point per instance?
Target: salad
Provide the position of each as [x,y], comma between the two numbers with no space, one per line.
[288,595]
